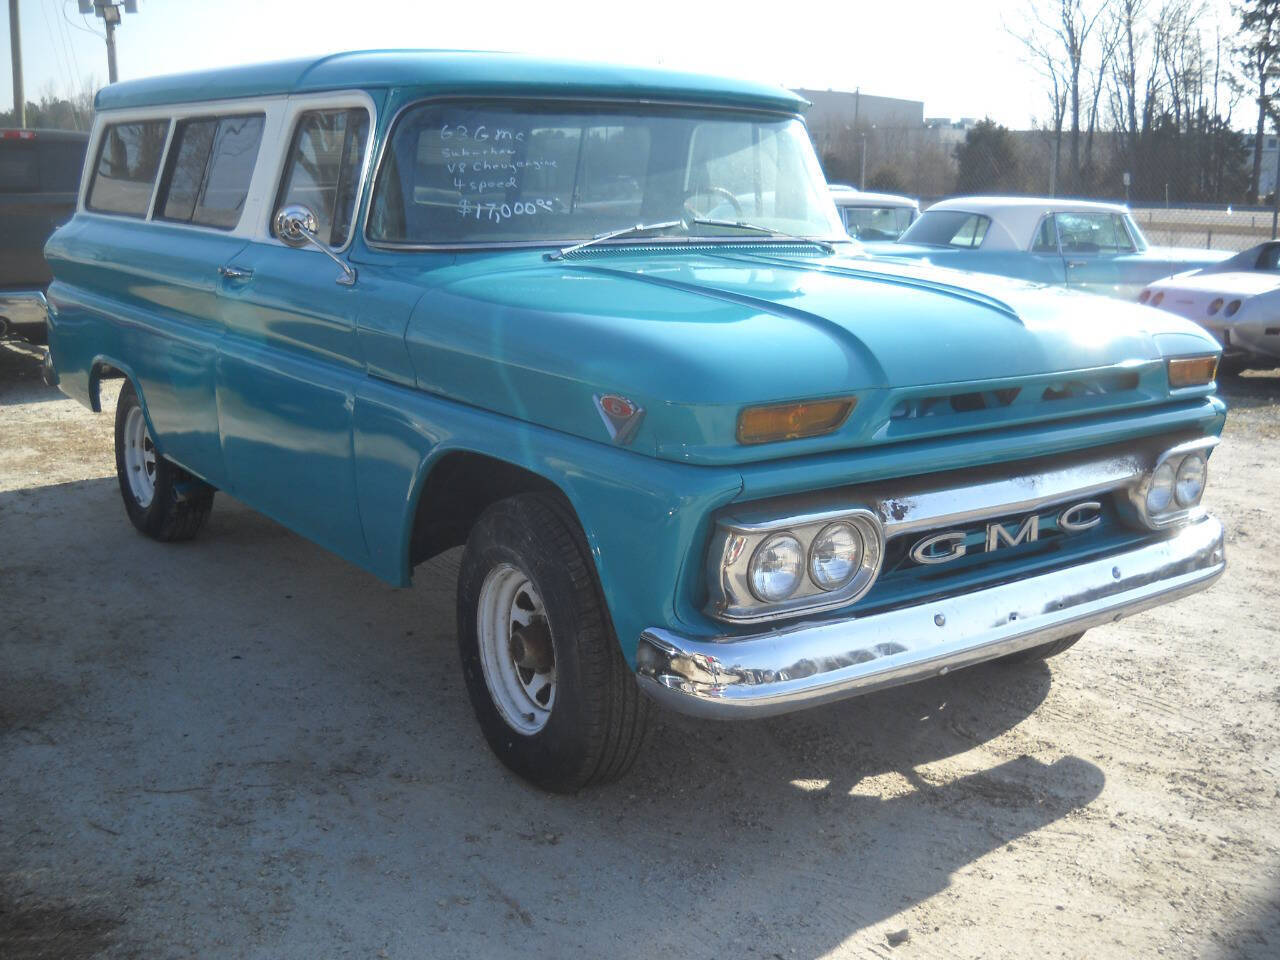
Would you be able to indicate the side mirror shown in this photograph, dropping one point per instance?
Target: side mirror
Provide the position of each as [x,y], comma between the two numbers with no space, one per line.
[296,227]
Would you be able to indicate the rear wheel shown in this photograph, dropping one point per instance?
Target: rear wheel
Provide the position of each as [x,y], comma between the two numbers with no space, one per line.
[1044,651]
[553,695]
[162,500]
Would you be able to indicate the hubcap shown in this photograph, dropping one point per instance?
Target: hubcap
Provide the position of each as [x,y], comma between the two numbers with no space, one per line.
[139,458]
[517,656]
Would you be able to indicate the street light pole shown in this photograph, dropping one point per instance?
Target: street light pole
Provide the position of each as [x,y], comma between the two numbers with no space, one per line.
[15,52]
[862,177]
[110,11]
[112,76]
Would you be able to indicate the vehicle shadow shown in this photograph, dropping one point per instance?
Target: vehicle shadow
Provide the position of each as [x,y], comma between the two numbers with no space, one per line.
[249,722]
[1253,388]
[20,378]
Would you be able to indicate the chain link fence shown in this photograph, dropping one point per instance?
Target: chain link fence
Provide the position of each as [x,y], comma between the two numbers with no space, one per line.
[1183,190]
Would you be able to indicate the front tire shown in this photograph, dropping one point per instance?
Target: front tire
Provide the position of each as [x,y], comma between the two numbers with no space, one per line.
[554,697]
[162,500]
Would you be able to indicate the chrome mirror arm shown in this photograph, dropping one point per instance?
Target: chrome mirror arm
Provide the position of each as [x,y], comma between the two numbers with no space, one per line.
[348,277]
[296,227]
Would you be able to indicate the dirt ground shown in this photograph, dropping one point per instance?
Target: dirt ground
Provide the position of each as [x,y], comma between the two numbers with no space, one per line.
[244,747]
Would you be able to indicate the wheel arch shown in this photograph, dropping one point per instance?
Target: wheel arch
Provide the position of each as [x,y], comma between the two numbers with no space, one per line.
[454,487]
[108,368]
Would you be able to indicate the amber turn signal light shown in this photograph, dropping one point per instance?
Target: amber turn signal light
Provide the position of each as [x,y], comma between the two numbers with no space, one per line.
[791,421]
[1192,371]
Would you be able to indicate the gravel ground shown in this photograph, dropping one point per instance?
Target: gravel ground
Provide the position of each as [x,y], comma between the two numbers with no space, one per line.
[244,747]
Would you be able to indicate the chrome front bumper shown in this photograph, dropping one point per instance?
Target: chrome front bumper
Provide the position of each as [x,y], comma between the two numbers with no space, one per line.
[800,666]
[24,308]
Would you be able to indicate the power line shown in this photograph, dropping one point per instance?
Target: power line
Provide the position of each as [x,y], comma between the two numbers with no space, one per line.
[60,52]
[86,28]
[70,43]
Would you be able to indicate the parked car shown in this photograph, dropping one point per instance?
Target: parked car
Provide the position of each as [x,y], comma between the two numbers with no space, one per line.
[39,177]
[719,458]
[874,216]
[1237,301]
[1094,247]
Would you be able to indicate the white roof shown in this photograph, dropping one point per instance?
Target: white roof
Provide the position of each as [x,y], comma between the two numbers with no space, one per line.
[1015,219]
[849,197]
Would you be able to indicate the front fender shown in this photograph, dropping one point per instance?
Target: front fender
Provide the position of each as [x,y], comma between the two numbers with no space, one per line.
[645,520]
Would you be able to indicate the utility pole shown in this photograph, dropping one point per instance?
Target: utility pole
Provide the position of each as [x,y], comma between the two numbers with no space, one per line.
[15,51]
[110,12]
[1275,191]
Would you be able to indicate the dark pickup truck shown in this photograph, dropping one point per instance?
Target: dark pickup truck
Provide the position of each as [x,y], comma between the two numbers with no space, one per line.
[39,181]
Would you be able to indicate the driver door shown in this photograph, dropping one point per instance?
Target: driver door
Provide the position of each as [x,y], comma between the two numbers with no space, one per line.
[1097,249]
[289,362]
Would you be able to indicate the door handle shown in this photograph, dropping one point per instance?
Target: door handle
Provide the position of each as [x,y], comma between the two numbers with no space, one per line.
[235,273]
[1070,263]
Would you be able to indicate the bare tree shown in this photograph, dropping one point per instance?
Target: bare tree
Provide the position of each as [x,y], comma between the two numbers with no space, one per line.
[1060,37]
[1258,53]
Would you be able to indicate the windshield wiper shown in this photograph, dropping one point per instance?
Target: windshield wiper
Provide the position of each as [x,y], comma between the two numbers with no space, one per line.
[687,224]
[779,234]
[613,235]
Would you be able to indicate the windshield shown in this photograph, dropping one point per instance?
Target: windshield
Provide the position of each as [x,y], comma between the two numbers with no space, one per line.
[457,173]
[876,223]
[948,228]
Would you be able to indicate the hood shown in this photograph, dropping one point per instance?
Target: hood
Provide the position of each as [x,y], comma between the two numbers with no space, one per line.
[694,334]
[1238,284]
[1190,256]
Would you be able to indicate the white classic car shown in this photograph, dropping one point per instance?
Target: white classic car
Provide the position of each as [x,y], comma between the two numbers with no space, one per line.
[1238,301]
[873,216]
[1082,244]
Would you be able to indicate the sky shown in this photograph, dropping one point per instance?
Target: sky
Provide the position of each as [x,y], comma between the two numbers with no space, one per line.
[955,55]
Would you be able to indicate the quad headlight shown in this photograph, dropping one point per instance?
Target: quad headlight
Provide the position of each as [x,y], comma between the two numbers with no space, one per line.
[1191,476]
[835,555]
[776,568]
[762,568]
[1160,490]
[1170,492]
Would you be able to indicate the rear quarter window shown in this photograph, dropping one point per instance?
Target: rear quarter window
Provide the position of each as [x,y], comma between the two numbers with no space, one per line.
[211,164]
[125,172]
[949,228]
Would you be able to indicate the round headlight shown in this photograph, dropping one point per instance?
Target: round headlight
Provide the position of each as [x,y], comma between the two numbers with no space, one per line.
[1215,306]
[1160,493]
[1232,308]
[1190,483]
[776,568]
[835,556]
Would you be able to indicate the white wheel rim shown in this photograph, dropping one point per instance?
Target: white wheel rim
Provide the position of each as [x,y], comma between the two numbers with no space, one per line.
[139,458]
[524,693]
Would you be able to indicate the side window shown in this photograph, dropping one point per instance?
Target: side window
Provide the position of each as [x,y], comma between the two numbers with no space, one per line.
[322,170]
[1093,233]
[1123,241]
[1046,237]
[128,160]
[211,164]
[972,232]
